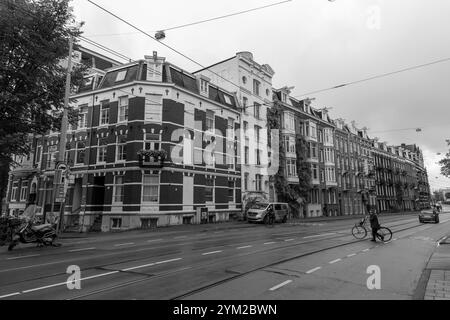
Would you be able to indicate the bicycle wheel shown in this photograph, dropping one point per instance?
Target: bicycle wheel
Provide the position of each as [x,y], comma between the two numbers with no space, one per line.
[359,232]
[384,234]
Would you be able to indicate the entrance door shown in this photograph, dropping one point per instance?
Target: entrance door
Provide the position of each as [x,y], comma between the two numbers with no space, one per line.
[98,196]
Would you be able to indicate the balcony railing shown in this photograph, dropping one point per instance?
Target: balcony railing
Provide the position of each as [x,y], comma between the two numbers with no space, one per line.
[152,158]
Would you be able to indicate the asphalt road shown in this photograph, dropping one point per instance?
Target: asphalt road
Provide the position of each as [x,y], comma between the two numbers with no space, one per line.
[318,260]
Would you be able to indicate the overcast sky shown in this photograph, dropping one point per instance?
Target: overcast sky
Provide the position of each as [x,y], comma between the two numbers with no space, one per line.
[312,45]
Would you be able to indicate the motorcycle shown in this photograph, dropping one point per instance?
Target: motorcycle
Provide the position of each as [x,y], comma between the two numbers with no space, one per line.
[43,235]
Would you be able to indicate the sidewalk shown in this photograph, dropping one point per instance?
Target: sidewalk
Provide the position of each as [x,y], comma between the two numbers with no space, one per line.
[438,272]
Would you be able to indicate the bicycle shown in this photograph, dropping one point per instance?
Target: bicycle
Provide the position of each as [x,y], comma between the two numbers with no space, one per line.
[360,230]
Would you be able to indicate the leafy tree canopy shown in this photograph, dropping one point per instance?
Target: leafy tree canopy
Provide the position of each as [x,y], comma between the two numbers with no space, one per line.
[34,37]
[445,163]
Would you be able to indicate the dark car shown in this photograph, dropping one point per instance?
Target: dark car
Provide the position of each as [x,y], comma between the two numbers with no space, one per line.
[429,215]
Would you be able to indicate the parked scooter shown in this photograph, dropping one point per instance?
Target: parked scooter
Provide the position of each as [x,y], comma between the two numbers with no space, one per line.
[43,235]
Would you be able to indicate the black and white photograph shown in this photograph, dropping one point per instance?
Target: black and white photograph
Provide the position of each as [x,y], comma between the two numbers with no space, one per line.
[224,157]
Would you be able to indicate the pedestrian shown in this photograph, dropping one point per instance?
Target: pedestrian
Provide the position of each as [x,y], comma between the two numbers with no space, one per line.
[374,224]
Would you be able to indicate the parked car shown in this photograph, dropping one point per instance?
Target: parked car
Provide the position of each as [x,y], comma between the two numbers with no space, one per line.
[258,212]
[429,215]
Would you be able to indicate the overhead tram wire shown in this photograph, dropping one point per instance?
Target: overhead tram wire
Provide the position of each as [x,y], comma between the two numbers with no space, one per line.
[207,20]
[169,47]
[376,77]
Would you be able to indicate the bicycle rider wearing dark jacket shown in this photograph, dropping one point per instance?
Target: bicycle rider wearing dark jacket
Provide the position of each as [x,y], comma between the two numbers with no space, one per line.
[374,224]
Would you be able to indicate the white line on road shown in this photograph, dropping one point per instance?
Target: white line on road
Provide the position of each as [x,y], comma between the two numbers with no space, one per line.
[123,244]
[319,235]
[280,285]
[244,247]
[85,249]
[213,252]
[10,295]
[313,270]
[365,250]
[394,239]
[23,257]
[166,261]
[351,255]
[154,240]
[334,261]
[272,242]
[287,240]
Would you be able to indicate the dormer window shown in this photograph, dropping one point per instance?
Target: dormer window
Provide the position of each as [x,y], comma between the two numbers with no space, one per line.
[227,99]
[203,86]
[121,75]
[283,97]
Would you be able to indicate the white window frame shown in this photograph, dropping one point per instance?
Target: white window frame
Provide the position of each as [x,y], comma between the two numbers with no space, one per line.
[23,191]
[15,187]
[122,115]
[153,107]
[256,87]
[121,75]
[101,147]
[212,188]
[76,153]
[119,155]
[104,114]
[122,185]
[152,186]
[234,191]
[51,157]
[83,115]
[210,119]
[258,182]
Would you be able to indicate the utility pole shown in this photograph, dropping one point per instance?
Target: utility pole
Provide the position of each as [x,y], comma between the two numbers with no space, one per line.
[60,180]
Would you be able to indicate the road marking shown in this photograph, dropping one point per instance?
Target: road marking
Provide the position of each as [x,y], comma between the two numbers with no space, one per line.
[272,242]
[334,261]
[244,247]
[23,257]
[280,285]
[213,252]
[365,250]
[180,237]
[351,255]
[218,232]
[10,295]
[123,244]
[150,264]
[313,270]
[154,240]
[319,235]
[66,282]
[85,249]
[394,239]
[287,240]
[166,261]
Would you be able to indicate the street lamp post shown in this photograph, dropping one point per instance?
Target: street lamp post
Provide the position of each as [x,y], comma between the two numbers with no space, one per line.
[60,179]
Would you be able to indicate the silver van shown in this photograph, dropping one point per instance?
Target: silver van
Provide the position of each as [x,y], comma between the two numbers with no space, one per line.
[258,211]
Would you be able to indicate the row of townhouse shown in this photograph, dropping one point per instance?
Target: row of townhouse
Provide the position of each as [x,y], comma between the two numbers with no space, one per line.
[154,144]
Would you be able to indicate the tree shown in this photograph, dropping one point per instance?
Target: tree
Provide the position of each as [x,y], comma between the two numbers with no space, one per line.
[445,163]
[34,37]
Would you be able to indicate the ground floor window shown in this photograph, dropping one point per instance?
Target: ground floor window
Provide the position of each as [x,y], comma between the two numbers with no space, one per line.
[150,191]
[116,223]
[209,190]
[118,189]
[187,220]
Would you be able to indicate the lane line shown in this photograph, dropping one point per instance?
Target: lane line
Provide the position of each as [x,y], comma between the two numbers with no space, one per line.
[287,240]
[351,255]
[84,249]
[244,247]
[10,295]
[123,244]
[365,250]
[272,242]
[23,257]
[280,285]
[334,261]
[154,240]
[181,237]
[313,270]
[166,261]
[213,252]
[319,235]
